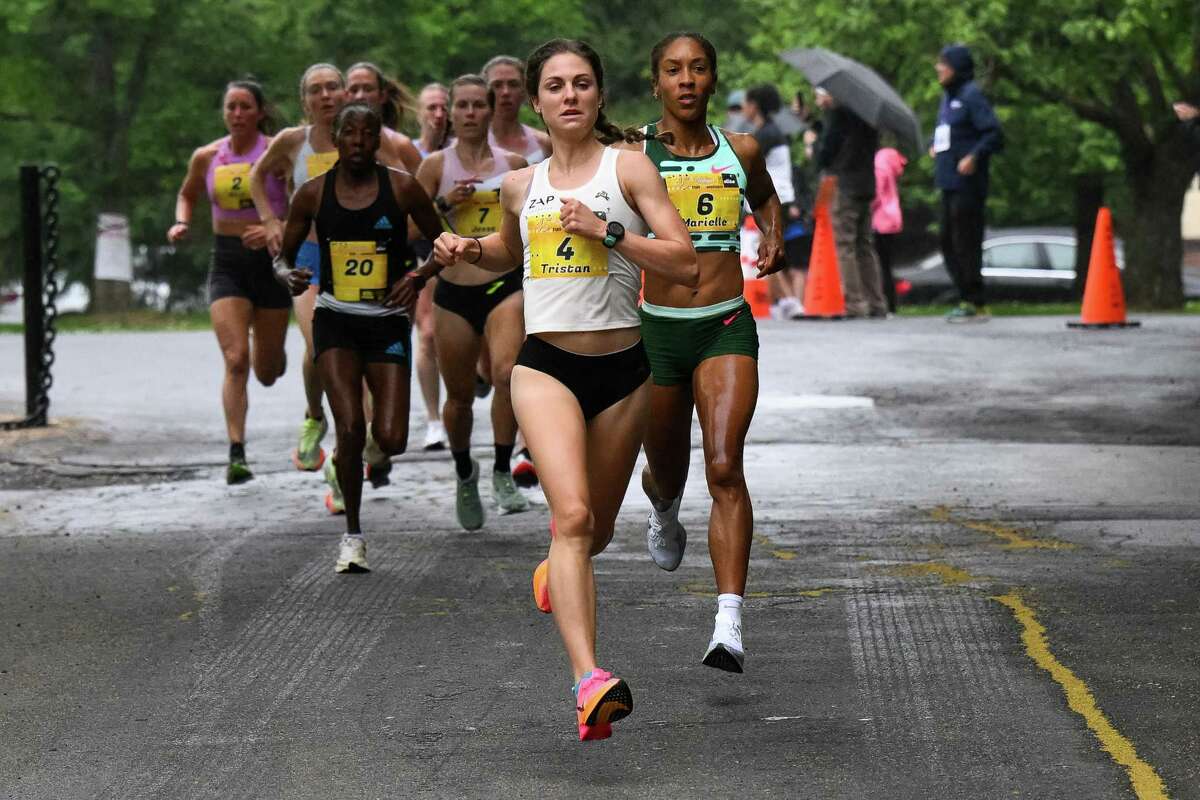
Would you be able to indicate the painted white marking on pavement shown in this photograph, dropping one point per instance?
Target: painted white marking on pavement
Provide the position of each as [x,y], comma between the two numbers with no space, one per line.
[809,402]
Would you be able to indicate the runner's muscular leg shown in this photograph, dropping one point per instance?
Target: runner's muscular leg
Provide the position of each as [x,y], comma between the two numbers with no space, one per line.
[457,349]
[557,437]
[231,318]
[726,390]
[505,332]
[304,306]
[614,437]
[342,371]
[426,361]
[267,354]
[390,386]
[668,441]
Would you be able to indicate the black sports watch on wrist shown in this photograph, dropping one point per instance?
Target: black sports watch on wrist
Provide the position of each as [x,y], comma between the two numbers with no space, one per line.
[613,234]
[443,205]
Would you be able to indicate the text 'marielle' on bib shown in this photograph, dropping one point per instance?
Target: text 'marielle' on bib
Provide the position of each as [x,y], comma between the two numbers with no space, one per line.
[320,163]
[231,184]
[480,215]
[707,201]
[360,271]
[554,253]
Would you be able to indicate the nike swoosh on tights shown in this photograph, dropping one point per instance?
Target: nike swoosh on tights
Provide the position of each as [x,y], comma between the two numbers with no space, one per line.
[731,319]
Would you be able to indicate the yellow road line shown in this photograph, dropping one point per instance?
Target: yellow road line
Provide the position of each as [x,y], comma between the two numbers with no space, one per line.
[765,541]
[1146,783]
[1014,538]
[949,575]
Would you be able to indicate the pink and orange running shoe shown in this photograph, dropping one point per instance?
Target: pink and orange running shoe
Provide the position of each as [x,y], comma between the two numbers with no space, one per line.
[600,700]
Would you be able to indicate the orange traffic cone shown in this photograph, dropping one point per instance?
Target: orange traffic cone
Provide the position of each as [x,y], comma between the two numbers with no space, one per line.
[823,297]
[1103,297]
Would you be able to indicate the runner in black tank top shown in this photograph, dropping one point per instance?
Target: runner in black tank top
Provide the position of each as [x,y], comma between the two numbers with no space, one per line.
[361,326]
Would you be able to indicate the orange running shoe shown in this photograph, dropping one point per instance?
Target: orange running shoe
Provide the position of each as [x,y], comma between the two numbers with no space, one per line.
[541,586]
[600,700]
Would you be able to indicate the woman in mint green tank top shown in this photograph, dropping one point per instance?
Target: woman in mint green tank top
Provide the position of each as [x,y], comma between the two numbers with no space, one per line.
[702,343]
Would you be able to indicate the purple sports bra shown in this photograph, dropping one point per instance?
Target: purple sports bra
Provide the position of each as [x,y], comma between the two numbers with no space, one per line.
[228,182]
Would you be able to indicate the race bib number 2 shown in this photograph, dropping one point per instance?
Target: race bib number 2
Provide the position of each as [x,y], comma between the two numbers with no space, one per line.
[360,271]
[707,202]
[554,253]
[231,184]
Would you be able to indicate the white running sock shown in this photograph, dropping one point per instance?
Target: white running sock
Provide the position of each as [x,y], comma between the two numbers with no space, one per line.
[730,607]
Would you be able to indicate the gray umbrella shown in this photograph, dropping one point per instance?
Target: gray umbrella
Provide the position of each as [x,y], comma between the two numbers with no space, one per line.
[859,88]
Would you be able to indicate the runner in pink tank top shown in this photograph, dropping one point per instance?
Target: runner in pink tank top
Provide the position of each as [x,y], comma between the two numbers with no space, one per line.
[470,302]
[242,291]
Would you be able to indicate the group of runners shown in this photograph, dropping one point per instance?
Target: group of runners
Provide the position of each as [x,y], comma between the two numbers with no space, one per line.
[590,274]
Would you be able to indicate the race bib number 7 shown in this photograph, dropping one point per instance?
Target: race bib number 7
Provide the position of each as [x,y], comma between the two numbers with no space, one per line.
[360,271]
[231,184]
[480,215]
[554,253]
[707,202]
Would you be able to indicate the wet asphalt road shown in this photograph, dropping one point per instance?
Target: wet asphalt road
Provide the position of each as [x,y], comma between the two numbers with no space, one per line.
[976,574]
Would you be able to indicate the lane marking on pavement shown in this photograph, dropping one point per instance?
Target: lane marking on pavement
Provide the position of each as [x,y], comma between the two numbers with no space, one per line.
[762,540]
[1146,783]
[947,573]
[1014,538]
[807,402]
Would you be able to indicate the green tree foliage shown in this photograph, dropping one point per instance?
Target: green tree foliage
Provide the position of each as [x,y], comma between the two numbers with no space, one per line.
[120,93]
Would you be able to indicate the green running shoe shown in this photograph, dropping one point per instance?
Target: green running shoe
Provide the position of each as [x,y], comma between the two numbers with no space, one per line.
[508,497]
[237,472]
[309,455]
[333,499]
[466,500]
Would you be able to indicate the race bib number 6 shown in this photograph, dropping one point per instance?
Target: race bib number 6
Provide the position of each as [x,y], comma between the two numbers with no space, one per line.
[707,202]
[554,253]
[231,184]
[360,271]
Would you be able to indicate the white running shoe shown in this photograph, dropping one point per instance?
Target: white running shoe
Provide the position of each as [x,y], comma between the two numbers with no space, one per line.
[725,651]
[435,436]
[352,554]
[665,536]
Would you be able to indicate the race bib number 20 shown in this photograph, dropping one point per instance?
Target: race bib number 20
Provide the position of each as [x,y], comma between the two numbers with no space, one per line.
[554,253]
[360,271]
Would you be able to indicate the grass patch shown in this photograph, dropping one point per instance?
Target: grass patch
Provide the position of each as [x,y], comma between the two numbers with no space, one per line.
[1015,309]
[138,320]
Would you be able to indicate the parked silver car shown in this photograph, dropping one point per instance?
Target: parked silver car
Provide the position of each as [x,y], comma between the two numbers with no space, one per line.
[1018,264]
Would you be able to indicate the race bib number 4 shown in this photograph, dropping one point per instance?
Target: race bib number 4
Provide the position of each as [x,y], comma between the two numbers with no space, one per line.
[708,202]
[231,184]
[360,271]
[320,163]
[480,215]
[554,253]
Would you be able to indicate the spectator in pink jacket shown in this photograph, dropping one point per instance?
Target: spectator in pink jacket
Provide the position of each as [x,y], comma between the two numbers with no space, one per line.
[886,218]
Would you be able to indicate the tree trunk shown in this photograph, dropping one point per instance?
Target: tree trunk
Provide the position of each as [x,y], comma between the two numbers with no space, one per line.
[1089,197]
[1153,276]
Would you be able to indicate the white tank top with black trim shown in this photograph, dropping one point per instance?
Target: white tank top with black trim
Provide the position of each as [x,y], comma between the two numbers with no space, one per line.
[573,283]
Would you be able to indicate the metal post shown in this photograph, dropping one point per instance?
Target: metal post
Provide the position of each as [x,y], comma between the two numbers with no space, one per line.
[35,331]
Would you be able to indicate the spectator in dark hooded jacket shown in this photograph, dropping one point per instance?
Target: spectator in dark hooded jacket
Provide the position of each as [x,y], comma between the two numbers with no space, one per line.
[966,137]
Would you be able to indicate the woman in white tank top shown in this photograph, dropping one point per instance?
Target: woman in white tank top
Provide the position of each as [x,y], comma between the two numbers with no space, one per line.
[302,153]
[577,224]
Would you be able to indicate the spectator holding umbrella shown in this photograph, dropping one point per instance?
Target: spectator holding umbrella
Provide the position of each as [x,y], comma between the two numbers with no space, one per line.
[966,137]
[847,151]
[886,217]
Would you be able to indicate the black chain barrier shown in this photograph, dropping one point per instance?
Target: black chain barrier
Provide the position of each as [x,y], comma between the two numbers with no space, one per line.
[41,291]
